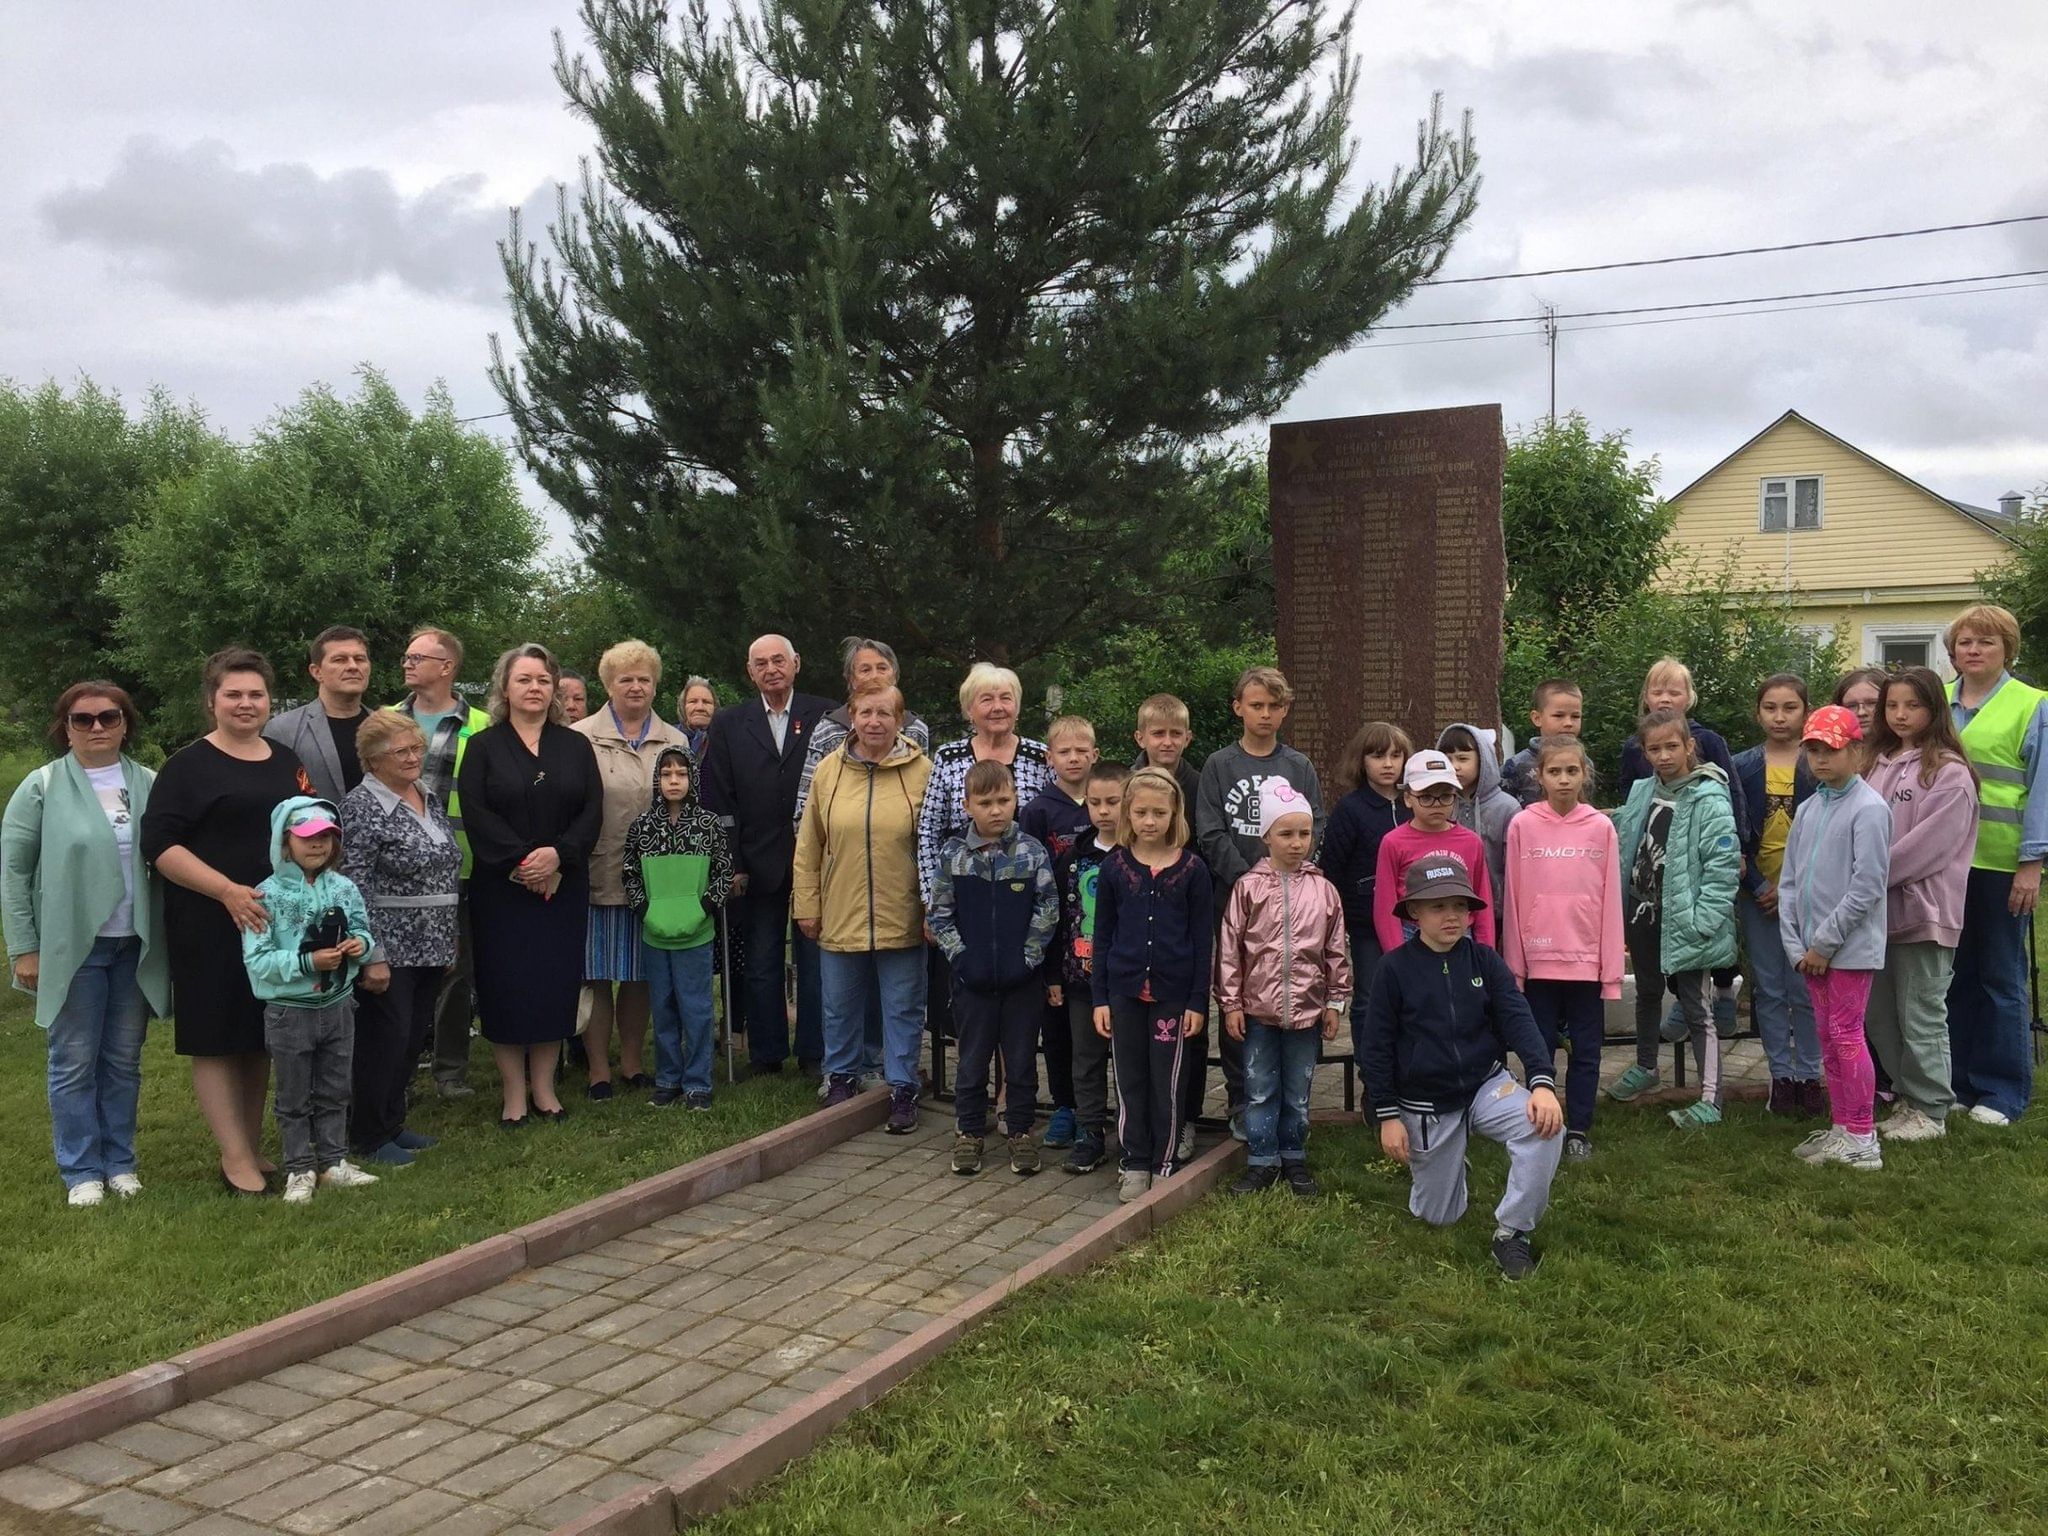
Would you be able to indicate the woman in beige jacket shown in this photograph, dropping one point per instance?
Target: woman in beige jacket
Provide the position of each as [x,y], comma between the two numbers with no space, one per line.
[627,737]
[856,895]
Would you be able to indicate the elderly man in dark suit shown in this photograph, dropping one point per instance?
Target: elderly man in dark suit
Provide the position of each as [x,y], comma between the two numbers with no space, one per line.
[753,761]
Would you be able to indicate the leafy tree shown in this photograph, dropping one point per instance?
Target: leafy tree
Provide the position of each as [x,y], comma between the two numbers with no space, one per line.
[1582,524]
[2021,584]
[916,318]
[341,511]
[75,470]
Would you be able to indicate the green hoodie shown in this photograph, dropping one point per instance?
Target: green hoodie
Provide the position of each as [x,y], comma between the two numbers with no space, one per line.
[279,958]
[677,869]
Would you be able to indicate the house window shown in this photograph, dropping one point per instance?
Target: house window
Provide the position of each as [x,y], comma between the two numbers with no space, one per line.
[1892,646]
[1789,500]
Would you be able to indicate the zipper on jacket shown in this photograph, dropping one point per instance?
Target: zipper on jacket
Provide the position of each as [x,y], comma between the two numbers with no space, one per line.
[1827,811]
[1286,956]
[869,833]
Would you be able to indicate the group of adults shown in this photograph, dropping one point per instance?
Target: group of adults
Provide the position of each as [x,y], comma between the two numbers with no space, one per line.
[488,846]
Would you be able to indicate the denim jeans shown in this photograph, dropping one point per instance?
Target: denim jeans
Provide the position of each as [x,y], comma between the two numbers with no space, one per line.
[1987,1001]
[312,1060]
[1006,1023]
[848,981]
[95,1072]
[1780,1002]
[679,998]
[1279,1065]
[765,920]
[1571,1012]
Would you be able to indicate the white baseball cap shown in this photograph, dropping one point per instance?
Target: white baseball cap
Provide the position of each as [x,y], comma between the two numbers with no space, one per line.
[1427,768]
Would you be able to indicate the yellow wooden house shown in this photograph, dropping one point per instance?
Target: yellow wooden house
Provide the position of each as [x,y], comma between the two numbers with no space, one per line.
[1863,553]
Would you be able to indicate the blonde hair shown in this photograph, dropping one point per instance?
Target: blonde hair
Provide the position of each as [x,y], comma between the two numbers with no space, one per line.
[443,639]
[383,729]
[1272,679]
[628,656]
[1987,619]
[1163,709]
[498,709]
[987,677]
[1166,784]
[1070,725]
[1669,669]
[874,688]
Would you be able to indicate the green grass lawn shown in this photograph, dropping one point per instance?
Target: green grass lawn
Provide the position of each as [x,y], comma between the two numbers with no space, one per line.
[1719,1339]
[89,1293]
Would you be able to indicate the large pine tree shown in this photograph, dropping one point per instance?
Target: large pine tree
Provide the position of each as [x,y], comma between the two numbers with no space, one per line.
[921,317]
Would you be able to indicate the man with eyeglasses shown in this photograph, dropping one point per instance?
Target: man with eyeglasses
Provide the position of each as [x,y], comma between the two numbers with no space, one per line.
[432,661]
[323,733]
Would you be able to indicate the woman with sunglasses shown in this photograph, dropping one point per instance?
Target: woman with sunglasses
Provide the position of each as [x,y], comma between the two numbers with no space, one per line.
[84,919]
[398,847]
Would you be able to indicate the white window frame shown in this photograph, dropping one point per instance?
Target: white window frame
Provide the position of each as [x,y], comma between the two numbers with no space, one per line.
[1789,485]
[1875,635]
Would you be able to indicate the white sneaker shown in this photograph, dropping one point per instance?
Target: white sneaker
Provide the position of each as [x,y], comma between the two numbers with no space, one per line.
[1921,1127]
[126,1185]
[1133,1184]
[91,1192]
[1810,1150]
[1851,1151]
[1184,1149]
[346,1175]
[1984,1114]
[298,1189]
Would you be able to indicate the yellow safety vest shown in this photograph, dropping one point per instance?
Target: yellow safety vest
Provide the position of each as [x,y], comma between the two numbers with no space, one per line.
[1993,739]
[473,720]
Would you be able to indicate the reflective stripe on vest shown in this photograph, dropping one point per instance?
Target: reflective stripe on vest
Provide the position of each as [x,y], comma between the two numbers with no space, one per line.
[1993,739]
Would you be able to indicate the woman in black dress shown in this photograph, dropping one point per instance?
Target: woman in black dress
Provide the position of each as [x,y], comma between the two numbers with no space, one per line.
[532,806]
[207,831]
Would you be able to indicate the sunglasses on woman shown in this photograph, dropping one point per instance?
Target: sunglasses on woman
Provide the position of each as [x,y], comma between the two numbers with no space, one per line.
[106,719]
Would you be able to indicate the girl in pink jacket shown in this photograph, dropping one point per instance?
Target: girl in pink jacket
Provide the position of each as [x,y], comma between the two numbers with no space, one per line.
[1921,773]
[1284,978]
[1561,922]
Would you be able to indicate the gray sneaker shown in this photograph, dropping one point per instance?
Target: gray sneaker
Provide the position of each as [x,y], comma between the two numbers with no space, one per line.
[1910,1124]
[1859,1152]
[1133,1184]
[1184,1149]
[454,1090]
[1237,1130]
[1810,1150]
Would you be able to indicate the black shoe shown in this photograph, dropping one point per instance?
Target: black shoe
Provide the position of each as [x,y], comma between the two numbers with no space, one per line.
[1257,1179]
[639,1080]
[1300,1181]
[1512,1254]
[513,1125]
[599,1092]
[700,1101]
[662,1098]
[1086,1156]
[551,1114]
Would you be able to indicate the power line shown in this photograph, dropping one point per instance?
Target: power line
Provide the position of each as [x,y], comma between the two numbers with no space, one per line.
[487,416]
[1657,309]
[1748,250]
[1737,314]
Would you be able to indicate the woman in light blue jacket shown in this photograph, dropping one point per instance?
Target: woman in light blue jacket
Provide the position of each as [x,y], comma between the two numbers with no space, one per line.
[84,919]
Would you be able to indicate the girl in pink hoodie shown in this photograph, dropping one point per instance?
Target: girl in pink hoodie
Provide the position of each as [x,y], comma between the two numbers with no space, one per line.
[1920,771]
[1561,922]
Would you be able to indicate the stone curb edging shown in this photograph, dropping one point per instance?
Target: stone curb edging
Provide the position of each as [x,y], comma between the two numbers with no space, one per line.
[354,1315]
[722,1477]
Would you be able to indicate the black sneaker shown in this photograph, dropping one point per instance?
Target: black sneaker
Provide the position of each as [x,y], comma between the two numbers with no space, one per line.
[1577,1145]
[1256,1180]
[1512,1254]
[662,1098]
[966,1154]
[1301,1181]
[1086,1156]
[902,1111]
[700,1100]
[599,1092]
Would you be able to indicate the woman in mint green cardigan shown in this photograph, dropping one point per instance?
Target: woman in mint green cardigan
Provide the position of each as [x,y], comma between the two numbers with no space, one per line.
[84,920]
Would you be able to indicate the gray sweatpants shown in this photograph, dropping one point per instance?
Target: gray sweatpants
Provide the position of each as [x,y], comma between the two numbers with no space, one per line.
[1906,1023]
[1436,1157]
[312,1054]
[1091,1065]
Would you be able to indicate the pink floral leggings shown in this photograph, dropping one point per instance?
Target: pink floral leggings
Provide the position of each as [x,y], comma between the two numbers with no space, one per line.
[1839,999]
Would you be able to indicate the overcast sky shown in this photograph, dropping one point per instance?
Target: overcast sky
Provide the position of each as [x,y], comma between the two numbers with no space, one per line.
[235,200]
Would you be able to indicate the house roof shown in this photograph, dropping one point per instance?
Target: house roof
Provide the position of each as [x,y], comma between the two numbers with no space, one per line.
[1993,522]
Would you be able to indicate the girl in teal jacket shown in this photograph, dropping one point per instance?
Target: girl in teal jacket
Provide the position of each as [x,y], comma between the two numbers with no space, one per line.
[1681,865]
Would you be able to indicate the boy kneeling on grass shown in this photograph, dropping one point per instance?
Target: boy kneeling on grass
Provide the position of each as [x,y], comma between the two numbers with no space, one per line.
[1444,1013]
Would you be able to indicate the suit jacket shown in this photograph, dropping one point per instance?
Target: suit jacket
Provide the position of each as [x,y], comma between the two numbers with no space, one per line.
[753,787]
[305,730]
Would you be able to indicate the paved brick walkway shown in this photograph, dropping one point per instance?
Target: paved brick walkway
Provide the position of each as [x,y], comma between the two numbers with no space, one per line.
[523,1407]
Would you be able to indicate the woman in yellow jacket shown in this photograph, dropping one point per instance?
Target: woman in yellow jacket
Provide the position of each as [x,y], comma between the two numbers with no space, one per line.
[856,896]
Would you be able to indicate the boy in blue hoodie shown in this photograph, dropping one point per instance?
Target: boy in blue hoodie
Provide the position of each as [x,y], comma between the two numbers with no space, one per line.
[303,967]
[1444,1013]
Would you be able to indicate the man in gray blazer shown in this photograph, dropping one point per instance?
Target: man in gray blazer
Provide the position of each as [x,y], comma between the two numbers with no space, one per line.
[323,733]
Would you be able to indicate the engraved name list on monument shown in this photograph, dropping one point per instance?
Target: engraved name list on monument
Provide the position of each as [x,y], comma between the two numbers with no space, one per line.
[1390,572]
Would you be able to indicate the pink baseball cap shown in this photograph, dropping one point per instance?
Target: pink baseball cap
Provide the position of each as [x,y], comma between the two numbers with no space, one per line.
[1833,726]
[311,822]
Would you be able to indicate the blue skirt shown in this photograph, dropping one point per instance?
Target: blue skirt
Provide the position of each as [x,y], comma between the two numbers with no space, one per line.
[611,945]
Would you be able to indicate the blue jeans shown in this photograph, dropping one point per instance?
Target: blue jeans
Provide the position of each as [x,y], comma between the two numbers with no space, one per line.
[1781,1004]
[1278,1067]
[679,997]
[1987,1001]
[765,920]
[1571,1011]
[849,982]
[96,1065]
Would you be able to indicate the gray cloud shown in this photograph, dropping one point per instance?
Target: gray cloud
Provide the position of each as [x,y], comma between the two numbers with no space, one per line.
[213,231]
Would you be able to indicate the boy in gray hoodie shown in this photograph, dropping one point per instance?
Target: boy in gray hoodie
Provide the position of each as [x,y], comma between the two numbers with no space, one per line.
[1483,806]
[1831,917]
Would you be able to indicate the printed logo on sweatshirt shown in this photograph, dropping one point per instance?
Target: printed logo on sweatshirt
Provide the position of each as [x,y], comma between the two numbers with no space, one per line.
[1241,804]
[1562,853]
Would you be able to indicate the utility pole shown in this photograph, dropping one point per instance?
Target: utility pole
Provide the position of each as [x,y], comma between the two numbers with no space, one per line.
[1550,340]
